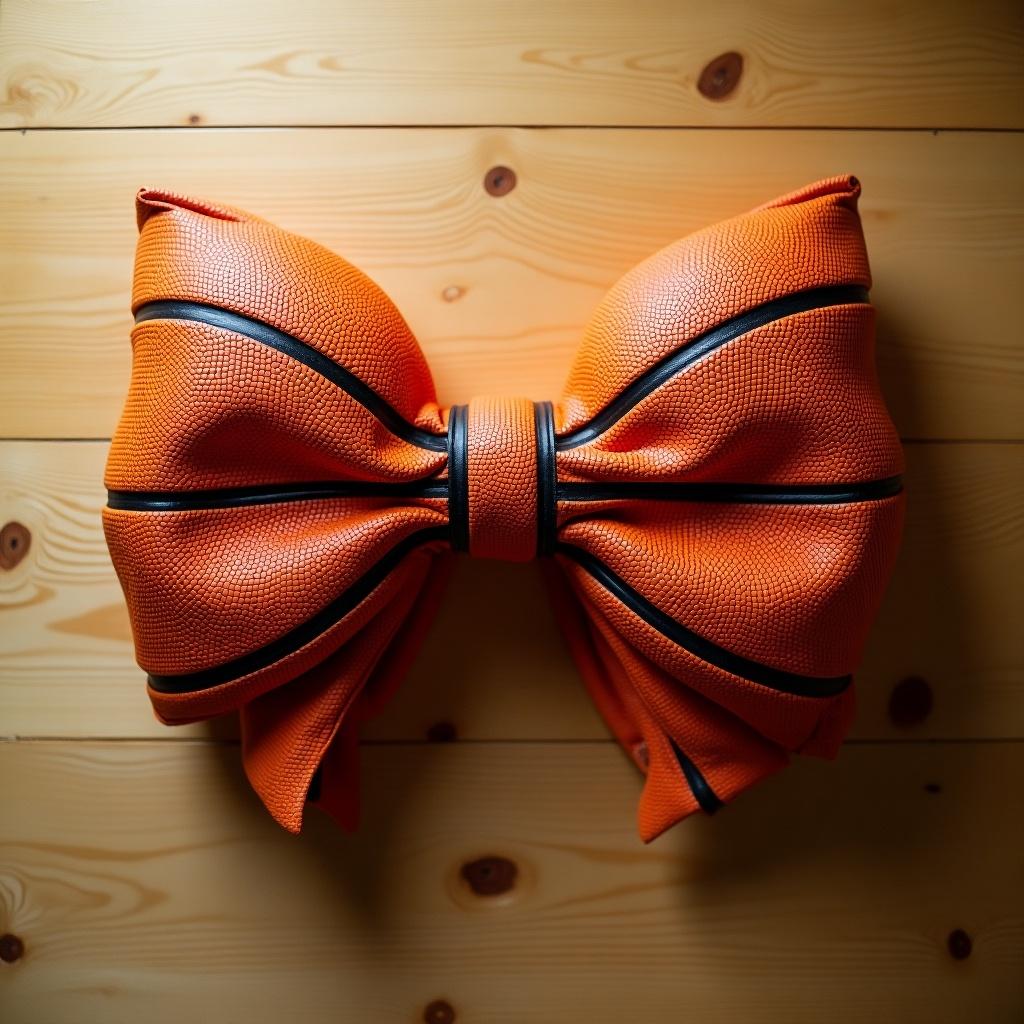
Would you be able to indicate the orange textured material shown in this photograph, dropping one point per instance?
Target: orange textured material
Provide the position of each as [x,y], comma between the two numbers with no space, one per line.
[502,467]
[718,488]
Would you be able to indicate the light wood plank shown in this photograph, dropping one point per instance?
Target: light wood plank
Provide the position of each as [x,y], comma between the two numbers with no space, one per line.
[147,883]
[573,62]
[498,290]
[951,616]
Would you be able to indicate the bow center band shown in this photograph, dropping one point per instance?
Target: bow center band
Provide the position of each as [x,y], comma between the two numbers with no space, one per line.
[501,478]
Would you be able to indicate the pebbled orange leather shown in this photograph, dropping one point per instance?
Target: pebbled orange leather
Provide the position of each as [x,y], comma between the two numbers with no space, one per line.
[715,500]
[502,471]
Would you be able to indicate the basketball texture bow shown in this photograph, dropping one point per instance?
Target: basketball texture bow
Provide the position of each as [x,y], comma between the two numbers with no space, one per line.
[716,498]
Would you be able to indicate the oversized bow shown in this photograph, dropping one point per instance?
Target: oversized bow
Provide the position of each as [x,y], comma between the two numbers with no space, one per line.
[716,497]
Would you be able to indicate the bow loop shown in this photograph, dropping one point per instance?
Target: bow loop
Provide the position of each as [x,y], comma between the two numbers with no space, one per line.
[742,352]
[809,240]
[261,357]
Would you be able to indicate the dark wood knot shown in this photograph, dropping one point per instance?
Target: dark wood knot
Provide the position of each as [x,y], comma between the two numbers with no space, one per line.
[490,876]
[439,1012]
[15,541]
[11,948]
[910,702]
[442,732]
[499,181]
[721,76]
[959,944]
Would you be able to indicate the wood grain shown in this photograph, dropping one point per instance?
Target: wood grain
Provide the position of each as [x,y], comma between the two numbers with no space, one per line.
[951,617]
[138,869]
[146,882]
[110,63]
[498,289]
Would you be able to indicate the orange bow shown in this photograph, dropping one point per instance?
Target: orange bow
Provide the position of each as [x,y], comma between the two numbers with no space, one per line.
[718,490]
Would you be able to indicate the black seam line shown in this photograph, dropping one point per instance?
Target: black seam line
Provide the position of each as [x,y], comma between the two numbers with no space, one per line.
[703,793]
[305,632]
[267,494]
[270,494]
[547,510]
[291,346]
[703,345]
[752,494]
[700,646]
[458,477]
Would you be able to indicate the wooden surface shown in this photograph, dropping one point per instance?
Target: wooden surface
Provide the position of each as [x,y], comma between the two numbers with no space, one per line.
[142,878]
[408,207]
[933,64]
[151,887]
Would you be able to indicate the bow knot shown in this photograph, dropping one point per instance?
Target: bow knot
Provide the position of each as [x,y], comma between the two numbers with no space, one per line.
[501,478]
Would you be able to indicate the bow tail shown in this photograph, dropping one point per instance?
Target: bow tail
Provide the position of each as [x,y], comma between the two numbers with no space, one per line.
[590,663]
[695,754]
[337,787]
[310,726]
[699,755]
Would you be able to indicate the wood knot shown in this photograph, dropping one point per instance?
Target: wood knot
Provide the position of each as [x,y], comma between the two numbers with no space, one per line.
[11,948]
[453,293]
[439,1012]
[959,944]
[721,76]
[195,118]
[442,732]
[490,876]
[910,702]
[15,541]
[499,181]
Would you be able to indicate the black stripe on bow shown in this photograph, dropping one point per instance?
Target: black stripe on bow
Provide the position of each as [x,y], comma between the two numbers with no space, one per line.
[436,487]
[304,633]
[703,345]
[700,646]
[272,337]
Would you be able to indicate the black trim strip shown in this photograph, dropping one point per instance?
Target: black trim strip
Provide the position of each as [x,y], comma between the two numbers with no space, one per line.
[700,646]
[458,477]
[704,344]
[271,494]
[291,346]
[267,494]
[305,632]
[707,798]
[752,494]
[547,480]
